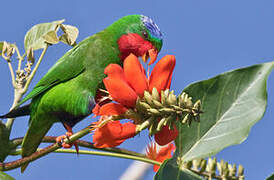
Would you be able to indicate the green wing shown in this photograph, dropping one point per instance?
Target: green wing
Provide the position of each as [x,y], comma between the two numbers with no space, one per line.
[66,68]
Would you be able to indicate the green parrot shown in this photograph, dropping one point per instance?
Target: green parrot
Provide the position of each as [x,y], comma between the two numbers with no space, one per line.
[67,92]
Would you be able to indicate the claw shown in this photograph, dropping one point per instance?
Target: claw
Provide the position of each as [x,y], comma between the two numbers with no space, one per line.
[60,139]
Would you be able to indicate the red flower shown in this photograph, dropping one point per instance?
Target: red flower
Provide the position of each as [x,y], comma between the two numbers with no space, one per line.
[126,84]
[162,155]
[166,135]
[113,134]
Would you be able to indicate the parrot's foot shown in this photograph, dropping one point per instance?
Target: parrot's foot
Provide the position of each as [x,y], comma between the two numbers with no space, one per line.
[60,140]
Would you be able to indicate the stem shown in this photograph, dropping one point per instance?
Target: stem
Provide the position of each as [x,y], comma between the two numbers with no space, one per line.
[99,153]
[34,70]
[17,97]
[19,57]
[12,75]
[18,93]
[52,139]
[54,147]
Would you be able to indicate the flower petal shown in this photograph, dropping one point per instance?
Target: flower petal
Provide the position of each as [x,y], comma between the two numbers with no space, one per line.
[110,109]
[161,74]
[163,154]
[135,74]
[113,134]
[151,151]
[166,135]
[114,71]
[128,131]
[96,110]
[117,86]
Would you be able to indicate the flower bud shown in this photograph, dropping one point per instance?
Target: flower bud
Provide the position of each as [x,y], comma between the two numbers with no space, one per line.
[240,170]
[157,103]
[161,124]
[155,94]
[203,165]
[163,97]
[148,97]
[153,111]
[142,106]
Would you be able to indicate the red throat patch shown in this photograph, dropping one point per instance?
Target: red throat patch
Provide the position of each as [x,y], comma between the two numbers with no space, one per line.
[133,43]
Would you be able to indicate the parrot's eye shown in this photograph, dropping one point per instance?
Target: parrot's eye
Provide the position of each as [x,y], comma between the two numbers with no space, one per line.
[152,27]
[145,34]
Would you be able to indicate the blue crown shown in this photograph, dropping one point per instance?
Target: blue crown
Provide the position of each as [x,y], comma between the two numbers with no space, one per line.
[152,27]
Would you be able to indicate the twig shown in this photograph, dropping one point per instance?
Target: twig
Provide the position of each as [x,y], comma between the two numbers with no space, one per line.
[20,58]
[12,75]
[100,153]
[29,79]
[52,139]
[18,92]
[42,152]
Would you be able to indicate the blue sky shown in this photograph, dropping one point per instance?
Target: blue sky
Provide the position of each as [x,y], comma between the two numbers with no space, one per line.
[207,37]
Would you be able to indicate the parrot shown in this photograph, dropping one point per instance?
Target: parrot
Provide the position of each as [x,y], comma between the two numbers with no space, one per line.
[66,93]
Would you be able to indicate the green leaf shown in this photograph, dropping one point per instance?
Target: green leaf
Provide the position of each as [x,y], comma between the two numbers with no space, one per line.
[4,176]
[170,170]
[232,103]
[34,37]
[270,177]
[4,142]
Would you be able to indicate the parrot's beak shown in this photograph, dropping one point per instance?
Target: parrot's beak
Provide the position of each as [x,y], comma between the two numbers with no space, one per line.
[152,54]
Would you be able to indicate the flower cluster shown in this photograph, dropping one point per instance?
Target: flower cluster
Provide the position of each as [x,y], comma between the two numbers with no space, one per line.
[125,85]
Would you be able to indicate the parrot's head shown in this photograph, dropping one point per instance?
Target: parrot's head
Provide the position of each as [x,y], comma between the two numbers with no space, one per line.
[139,35]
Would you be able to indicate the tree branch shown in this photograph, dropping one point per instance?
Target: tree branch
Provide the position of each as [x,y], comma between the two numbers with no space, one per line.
[52,139]
[29,79]
[100,153]
[42,152]
[115,152]
[12,75]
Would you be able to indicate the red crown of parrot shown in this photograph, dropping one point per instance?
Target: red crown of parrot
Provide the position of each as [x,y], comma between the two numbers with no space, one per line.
[135,44]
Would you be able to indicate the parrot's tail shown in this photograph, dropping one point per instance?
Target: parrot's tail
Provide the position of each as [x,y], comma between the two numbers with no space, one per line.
[16,112]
